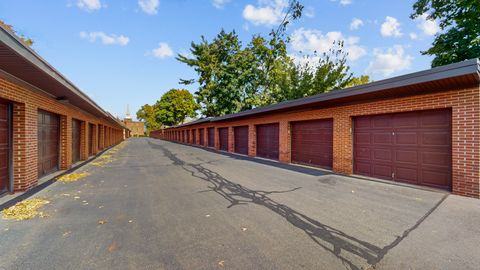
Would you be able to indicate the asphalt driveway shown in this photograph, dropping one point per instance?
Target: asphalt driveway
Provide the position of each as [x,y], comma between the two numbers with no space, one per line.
[171,206]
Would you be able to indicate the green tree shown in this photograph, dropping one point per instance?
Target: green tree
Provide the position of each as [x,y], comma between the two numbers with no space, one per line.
[460,23]
[148,113]
[175,106]
[10,29]
[364,79]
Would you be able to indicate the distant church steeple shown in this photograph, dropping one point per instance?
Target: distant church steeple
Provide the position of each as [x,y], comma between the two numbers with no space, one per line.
[127,115]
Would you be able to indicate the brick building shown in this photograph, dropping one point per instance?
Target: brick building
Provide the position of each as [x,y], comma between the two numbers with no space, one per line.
[46,123]
[422,129]
[136,128]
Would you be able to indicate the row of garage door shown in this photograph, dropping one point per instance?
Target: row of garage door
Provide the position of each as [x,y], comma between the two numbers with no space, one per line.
[412,147]
[48,139]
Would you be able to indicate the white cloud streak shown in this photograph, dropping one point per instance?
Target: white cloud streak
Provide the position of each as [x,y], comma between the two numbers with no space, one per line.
[105,39]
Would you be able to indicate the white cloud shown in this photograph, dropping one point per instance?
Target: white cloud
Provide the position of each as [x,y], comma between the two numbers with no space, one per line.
[149,6]
[162,51]
[219,3]
[309,12]
[391,27]
[343,2]
[428,27]
[390,61]
[310,40]
[268,12]
[105,39]
[355,24]
[413,36]
[89,5]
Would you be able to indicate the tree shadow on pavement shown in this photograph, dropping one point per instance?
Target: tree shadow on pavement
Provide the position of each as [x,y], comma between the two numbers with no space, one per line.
[345,247]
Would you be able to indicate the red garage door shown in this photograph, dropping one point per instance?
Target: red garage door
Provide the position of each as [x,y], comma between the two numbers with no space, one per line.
[268,141]
[194,136]
[211,137]
[75,140]
[4,147]
[91,138]
[241,140]
[312,143]
[223,138]
[202,136]
[48,142]
[188,136]
[184,138]
[412,147]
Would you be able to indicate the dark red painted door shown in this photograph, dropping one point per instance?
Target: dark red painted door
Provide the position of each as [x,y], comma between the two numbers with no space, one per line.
[188,136]
[48,142]
[194,136]
[211,137]
[413,147]
[99,137]
[202,136]
[312,143]
[223,138]
[4,147]
[268,141]
[240,135]
[75,140]
[183,136]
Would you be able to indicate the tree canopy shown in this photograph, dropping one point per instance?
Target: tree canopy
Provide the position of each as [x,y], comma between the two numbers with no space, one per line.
[460,23]
[10,28]
[148,113]
[175,106]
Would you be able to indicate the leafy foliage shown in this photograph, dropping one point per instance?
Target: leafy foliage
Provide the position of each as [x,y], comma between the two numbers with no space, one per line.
[356,81]
[459,19]
[148,114]
[10,29]
[175,106]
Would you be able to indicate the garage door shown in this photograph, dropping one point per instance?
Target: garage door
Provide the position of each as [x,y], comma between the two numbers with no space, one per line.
[413,147]
[183,136]
[268,141]
[240,135]
[194,136]
[99,137]
[223,138]
[4,147]
[211,137]
[75,140]
[48,142]
[202,136]
[188,136]
[312,143]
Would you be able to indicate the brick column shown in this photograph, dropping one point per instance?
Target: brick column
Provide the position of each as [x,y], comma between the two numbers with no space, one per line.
[217,138]
[252,140]
[231,140]
[342,144]
[284,141]
[83,140]
[25,160]
[65,142]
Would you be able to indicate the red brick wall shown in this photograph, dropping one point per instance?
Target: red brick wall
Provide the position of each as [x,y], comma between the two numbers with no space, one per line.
[464,103]
[26,101]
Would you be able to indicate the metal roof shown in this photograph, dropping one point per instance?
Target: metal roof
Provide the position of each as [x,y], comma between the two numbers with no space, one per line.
[445,77]
[20,61]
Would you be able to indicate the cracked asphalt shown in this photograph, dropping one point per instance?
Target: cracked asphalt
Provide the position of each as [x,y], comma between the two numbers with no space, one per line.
[171,206]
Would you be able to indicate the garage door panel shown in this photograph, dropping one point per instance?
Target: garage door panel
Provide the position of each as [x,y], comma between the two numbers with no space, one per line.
[435,178]
[312,142]
[382,121]
[421,147]
[403,138]
[241,140]
[407,174]
[202,136]
[382,171]
[436,138]
[211,137]
[408,156]
[47,142]
[382,138]
[223,138]
[382,155]
[435,119]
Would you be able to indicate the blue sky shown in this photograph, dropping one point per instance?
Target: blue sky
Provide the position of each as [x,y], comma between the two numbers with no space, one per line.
[123,52]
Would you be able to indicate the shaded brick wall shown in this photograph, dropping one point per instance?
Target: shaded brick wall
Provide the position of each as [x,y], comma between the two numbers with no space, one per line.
[464,103]
[26,101]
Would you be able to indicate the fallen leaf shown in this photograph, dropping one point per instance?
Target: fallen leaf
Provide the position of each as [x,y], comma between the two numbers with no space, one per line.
[66,233]
[221,263]
[76,197]
[130,221]
[72,177]
[101,206]
[101,222]
[207,215]
[244,229]
[25,209]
